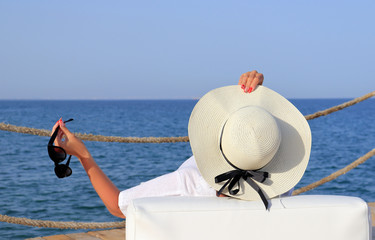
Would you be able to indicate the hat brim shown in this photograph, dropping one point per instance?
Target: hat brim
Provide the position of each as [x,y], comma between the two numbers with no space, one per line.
[205,126]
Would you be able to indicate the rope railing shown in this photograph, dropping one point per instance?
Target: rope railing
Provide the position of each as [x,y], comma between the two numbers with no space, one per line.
[90,137]
[340,107]
[60,224]
[336,174]
[101,138]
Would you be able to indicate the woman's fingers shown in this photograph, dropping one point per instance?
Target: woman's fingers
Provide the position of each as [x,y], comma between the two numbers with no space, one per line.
[69,142]
[55,126]
[250,80]
[65,130]
[257,80]
[60,135]
[248,87]
[64,134]
[59,142]
[243,80]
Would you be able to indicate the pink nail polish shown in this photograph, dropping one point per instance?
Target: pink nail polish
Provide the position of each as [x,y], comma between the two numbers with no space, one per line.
[250,90]
[243,86]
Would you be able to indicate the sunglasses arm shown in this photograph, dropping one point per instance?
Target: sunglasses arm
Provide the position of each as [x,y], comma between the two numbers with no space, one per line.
[54,135]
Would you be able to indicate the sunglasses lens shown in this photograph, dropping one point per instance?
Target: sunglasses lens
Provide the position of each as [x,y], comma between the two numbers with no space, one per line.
[57,154]
[68,171]
[62,171]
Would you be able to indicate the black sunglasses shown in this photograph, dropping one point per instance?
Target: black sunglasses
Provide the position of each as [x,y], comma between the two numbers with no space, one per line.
[58,154]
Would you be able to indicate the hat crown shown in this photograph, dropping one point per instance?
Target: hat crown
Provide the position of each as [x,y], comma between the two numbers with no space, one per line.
[250,138]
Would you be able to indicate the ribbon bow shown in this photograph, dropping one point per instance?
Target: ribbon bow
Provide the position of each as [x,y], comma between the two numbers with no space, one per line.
[233,177]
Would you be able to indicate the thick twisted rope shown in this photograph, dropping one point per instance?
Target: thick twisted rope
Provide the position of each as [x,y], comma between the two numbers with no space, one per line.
[100,138]
[339,107]
[336,174]
[91,137]
[61,225]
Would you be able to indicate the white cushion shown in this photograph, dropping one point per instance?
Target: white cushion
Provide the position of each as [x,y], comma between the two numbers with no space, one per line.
[304,217]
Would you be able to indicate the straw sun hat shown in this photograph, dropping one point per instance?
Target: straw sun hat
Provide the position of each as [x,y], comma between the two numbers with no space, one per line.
[249,146]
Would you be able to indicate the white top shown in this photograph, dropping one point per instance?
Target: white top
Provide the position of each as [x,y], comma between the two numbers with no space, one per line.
[185,181]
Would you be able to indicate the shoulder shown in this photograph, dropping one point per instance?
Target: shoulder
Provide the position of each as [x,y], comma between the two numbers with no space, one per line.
[189,163]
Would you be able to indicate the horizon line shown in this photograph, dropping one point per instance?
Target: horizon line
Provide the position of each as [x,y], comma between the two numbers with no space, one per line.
[144,99]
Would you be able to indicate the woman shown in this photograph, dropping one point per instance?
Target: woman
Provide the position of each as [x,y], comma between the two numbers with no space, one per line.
[116,201]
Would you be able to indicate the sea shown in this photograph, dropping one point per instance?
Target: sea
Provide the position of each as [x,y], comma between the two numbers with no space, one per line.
[30,189]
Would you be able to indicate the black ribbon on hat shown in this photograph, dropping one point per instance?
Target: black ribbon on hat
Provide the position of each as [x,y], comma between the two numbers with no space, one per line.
[233,177]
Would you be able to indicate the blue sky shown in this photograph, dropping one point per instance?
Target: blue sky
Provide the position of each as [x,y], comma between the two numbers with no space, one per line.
[182,49]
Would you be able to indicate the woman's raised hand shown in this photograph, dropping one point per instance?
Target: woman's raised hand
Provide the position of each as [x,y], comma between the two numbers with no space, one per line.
[250,80]
[69,142]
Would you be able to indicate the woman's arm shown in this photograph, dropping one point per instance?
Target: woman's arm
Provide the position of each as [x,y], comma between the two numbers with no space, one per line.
[104,187]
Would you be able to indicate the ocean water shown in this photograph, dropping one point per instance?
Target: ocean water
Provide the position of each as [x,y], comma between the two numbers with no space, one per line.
[29,187]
